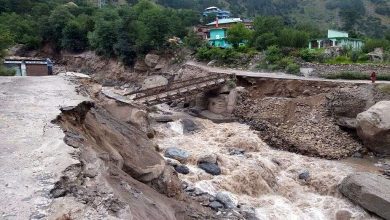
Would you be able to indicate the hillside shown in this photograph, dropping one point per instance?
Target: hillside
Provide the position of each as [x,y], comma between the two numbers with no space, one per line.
[370,17]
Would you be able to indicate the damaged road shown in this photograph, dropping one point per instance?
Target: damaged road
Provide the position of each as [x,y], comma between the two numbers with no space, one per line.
[64,156]
[32,151]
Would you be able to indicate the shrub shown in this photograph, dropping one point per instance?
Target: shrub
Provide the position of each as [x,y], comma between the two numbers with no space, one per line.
[340,60]
[293,68]
[6,71]
[284,62]
[273,54]
[357,76]
[354,56]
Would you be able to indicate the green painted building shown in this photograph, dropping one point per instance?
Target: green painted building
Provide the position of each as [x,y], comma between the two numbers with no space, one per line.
[337,39]
[218,38]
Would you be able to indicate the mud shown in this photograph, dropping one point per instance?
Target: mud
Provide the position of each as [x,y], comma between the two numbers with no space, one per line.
[120,175]
[303,116]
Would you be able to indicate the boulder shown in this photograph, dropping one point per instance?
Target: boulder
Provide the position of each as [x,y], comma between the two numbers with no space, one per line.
[373,127]
[305,175]
[182,169]
[216,205]
[210,168]
[226,199]
[208,158]
[371,191]
[151,60]
[345,122]
[140,66]
[154,81]
[177,154]
[343,215]
[189,125]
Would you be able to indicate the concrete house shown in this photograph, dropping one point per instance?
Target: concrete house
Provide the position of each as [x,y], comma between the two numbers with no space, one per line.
[221,14]
[336,39]
[218,31]
[25,66]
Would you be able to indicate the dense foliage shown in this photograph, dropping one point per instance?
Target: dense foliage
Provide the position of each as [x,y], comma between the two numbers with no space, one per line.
[125,32]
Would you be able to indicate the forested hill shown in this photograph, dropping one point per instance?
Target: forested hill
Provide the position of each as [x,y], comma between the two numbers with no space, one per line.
[369,17]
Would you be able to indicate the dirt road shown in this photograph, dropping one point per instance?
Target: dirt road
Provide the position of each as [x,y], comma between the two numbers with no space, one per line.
[278,75]
[32,151]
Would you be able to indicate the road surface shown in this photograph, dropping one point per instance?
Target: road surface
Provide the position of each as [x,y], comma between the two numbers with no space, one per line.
[278,75]
[32,151]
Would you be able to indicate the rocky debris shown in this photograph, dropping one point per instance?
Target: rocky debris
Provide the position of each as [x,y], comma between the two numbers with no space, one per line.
[226,199]
[73,139]
[300,124]
[216,205]
[151,60]
[189,125]
[182,169]
[349,123]
[369,191]
[374,127]
[210,168]
[305,175]
[208,158]
[140,66]
[177,154]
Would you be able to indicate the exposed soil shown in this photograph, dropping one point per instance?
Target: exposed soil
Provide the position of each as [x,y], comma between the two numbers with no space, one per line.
[119,172]
[301,116]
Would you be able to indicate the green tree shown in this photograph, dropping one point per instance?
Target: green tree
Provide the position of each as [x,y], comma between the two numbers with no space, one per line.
[74,37]
[237,34]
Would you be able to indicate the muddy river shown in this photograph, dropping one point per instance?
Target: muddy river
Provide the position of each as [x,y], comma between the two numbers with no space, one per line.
[263,178]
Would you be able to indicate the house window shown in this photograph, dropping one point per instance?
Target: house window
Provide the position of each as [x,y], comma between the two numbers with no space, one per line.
[217,36]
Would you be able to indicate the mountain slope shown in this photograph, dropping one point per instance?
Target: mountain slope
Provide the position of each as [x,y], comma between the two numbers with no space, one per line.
[370,17]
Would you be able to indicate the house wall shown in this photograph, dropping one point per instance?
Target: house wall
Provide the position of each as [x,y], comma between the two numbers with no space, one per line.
[37,70]
[334,34]
[216,34]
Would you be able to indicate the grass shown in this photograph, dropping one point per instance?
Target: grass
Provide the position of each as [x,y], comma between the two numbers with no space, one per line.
[357,76]
[384,88]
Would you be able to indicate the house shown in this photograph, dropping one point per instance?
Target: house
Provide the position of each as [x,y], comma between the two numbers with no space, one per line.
[218,31]
[337,39]
[221,14]
[25,66]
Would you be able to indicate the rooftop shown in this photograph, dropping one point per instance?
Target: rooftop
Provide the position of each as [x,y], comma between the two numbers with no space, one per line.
[226,21]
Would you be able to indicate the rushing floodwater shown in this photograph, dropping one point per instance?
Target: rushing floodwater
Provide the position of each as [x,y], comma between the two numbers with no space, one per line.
[263,178]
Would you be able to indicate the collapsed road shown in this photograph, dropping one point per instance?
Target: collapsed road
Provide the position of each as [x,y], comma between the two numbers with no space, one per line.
[32,151]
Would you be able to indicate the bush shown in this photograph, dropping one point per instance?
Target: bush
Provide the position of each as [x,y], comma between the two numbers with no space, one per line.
[340,60]
[293,68]
[357,76]
[6,71]
[310,55]
[273,54]
[284,62]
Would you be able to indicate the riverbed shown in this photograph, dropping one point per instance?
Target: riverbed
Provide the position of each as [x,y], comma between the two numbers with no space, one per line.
[263,178]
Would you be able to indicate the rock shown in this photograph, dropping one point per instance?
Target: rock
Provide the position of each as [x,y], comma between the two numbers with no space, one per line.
[346,122]
[182,169]
[208,158]
[177,154]
[226,199]
[154,81]
[140,66]
[371,191]
[210,168]
[357,155]
[151,60]
[211,63]
[215,205]
[163,118]
[343,215]
[373,127]
[236,151]
[305,175]
[189,125]
[306,92]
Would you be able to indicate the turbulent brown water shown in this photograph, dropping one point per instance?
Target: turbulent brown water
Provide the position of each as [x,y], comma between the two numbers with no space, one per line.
[263,178]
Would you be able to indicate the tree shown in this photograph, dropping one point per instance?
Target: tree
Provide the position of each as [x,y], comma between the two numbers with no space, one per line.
[237,34]
[74,37]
